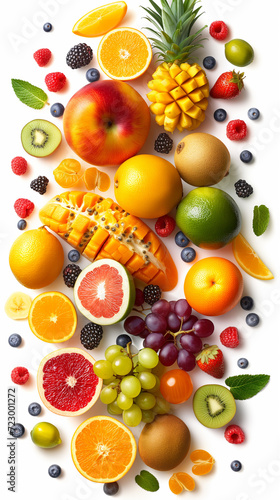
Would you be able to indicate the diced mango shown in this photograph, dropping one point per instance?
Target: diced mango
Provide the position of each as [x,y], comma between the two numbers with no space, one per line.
[182,77]
[194,112]
[76,198]
[165,66]
[168,84]
[177,93]
[179,127]
[171,123]
[196,95]
[95,243]
[153,241]
[81,223]
[152,96]
[156,85]
[201,79]
[160,73]
[185,103]
[75,237]
[164,97]
[58,213]
[190,85]
[172,110]
[185,121]
[185,66]
[90,199]
[193,70]
[135,263]
[203,104]
[160,119]
[146,272]
[157,108]
[201,117]
[205,90]
[174,70]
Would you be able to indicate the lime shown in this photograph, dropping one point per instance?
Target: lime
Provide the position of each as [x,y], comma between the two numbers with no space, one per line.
[239,52]
[209,217]
[45,435]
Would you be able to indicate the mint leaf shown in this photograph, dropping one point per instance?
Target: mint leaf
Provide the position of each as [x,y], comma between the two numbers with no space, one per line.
[32,96]
[246,386]
[147,481]
[260,219]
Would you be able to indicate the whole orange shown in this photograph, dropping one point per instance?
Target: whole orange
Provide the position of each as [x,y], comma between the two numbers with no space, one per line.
[213,286]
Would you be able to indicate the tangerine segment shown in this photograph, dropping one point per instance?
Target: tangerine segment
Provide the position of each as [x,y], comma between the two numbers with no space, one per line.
[95,178]
[103,449]
[203,462]
[248,259]
[68,173]
[124,53]
[52,317]
[180,481]
[101,20]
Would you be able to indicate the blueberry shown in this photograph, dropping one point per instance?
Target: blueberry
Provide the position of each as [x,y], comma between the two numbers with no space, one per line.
[246,156]
[123,340]
[188,254]
[74,255]
[54,470]
[14,340]
[181,240]
[253,113]
[111,488]
[252,319]
[247,303]
[92,75]
[57,109]
[242,362]
[236,465]
[47,27]
[21,224]
[209,62]
[220,115]
[34,409]
[17,430]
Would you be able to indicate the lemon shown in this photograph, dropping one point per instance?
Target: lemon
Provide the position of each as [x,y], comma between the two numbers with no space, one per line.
[45,435]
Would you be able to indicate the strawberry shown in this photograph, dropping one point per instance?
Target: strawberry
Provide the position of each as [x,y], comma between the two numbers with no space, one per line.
[211,360]
[228,85]
[229,337]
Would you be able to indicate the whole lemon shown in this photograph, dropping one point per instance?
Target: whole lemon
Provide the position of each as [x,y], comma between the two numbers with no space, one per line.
[147,186]
[36,258]
[45,435]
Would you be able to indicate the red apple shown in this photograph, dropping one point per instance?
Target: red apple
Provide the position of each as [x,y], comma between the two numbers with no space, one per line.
[106,122]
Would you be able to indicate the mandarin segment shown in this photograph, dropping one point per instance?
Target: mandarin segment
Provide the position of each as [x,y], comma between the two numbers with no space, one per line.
[180,481]
[203,462]
[68,173]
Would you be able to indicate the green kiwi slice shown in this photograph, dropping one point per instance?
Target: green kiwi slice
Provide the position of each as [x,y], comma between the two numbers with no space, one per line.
[213,405]
[40,138]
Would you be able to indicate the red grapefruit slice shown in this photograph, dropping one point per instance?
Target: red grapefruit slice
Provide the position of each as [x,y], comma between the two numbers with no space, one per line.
[66,382]
[104,292]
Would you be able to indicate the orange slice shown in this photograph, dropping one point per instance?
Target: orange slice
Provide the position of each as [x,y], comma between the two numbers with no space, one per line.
[103,449]
[203,462]
[124,53]
[52,317]
[68,173]
[95,178]
[100,20]
[180,481]
[248,260]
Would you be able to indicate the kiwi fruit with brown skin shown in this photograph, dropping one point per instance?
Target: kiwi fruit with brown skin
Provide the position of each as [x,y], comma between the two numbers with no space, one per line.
[214,405]
[40,138]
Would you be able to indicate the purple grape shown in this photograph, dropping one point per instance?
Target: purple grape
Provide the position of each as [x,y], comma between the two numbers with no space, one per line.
[168,338]
[191,342]
[186,360]
[168,354]
[187,325]
[173,322]
[154,340]
[183,309]
[145,333]
[172,304]
[139,298]
[203,327]
[134,325]
[156,323]
[161,307]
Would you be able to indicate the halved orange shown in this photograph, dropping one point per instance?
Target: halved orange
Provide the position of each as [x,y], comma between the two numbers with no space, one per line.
[124,53]
[52,317]
[203,462]
[180,481]
[95,178]
[68,172]
[248,259]
[100,20]
[103,449]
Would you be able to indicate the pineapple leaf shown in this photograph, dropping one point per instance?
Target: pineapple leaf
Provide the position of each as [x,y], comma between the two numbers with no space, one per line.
[167,38]
[156,7]
[150,29]
[159,28]
[175,47]
[177,6]
[168,24]
[159,45]
[192,38]
[166,8]
[154,15]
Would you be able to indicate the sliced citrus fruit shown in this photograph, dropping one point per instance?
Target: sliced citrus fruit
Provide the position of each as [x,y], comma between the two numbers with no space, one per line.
[124,53]
[203,462]
[52,317]
[100,20]
[68,173]
[248,259]
[66,382]
[180,481]
[103,449]
[95,178]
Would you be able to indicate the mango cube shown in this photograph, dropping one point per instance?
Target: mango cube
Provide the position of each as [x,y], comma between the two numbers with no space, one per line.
[177,93]
[185,66]
[201,79]
[185,103]
[160,119]
[157,108]
[168,84]
[164,97]
[182,77]
[196,95]
[205,90]
[185,121]
[172,110]
[190,85]
[174,70]
[194,112]
[193,70]
[203,104]
[170,123]
[152,96]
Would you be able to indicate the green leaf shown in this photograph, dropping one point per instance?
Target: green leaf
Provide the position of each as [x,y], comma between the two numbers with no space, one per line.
[260,219]
[32,96]
[156,7]
[246,386]
[147,481]
[154,15]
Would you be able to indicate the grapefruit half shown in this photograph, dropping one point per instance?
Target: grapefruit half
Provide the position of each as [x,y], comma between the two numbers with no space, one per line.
[66,382]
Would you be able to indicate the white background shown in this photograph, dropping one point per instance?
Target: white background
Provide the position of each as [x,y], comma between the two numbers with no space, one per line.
[22,34]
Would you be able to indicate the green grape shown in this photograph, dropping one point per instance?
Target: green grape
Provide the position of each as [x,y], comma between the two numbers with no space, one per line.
[113,351]
[114,409]
[155,389]
[139,368]
[133,416]
[108,381]
[145,401]
[147,380]
[122,365]
[108,395]
[124,402]
[162,406]
[130,386]
[103,369]
[148,357]
[148,416]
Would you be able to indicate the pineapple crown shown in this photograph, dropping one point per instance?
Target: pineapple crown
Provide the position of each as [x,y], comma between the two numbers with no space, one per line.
[173,25]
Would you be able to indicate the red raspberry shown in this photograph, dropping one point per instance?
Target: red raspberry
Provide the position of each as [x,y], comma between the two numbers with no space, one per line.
[23,207]
[55,81]
[229,337]
[42,57]
[165,225]
[218,30]
[234,434]
[236,130]
[20,375]
[19,165]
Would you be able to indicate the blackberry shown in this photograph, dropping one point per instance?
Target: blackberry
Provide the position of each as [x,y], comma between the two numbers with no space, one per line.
[163,144]
[40,184]
[91,335]
[80,55]
[152,294]
[243,189]
[70,274]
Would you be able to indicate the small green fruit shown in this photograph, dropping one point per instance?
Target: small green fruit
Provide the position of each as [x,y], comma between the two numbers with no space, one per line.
[239,52]
[45,435]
